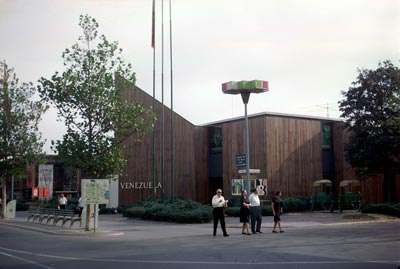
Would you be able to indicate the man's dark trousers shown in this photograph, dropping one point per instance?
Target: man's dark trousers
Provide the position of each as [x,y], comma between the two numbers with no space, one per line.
[255,217]
[218,214]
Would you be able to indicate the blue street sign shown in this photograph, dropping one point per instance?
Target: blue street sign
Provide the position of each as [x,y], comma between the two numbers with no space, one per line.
[240,160]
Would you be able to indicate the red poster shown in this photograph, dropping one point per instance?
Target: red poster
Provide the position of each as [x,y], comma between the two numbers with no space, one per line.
[46,192]
[35,193]
[40,192]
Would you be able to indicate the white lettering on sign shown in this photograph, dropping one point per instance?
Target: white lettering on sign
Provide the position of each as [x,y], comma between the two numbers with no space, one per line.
[138,185]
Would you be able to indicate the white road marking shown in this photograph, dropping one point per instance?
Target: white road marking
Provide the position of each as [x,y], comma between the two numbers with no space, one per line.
[25,260]
[201,262]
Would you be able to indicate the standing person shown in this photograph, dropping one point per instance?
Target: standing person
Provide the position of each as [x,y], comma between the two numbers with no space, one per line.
[62,202]
[245,212]
[81,205]
[277,209]
[219,203]
[255,210]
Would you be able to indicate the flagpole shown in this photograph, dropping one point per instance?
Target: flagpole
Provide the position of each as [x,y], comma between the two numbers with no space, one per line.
[162,101]
[172,103]
[153,176]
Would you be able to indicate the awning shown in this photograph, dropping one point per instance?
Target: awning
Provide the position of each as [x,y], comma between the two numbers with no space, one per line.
[345,183]
[322,182]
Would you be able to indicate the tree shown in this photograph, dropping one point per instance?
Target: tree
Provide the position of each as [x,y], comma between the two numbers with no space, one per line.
[91,106]
[20,140]
[371,107]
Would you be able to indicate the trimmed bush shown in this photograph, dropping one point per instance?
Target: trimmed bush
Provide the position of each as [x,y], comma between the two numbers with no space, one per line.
[266,210]
[180,211]
[105,210]
[22,205]
[232,211]
[294,205]
[387,209]
[134,212]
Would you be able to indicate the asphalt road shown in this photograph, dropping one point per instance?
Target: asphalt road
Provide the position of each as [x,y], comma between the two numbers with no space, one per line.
[348,246]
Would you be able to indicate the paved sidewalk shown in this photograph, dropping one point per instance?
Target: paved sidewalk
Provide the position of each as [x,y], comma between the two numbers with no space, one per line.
[117,225]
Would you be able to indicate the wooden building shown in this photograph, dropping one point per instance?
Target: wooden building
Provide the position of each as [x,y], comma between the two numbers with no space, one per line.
[290,152]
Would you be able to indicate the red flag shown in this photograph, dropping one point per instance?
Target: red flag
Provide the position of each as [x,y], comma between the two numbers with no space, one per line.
[153,26]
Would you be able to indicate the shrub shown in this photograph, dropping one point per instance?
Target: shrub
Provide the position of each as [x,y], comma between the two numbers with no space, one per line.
[106,210]
[232,211]
[266,210]
[294,205]
[22,205]
[178,210]
[387,209]
[72,203]
[134,212]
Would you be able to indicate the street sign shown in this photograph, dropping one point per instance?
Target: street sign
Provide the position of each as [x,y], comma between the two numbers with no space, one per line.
[96,191]
[240,161]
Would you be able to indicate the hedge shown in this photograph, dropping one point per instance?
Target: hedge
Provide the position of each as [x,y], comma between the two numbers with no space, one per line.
[180,211]
[108,210]
[232,211]
[22,205]
[297,204]
[387,209]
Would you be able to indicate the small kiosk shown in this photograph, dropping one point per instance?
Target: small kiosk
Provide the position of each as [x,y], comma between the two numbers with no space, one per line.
[322,196]
[350,195]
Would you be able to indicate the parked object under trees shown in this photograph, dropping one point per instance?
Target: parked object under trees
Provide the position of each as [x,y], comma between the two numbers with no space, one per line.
[20,140]
[371,107]
[91,106]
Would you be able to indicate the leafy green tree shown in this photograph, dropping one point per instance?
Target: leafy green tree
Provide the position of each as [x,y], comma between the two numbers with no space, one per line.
[90,104]
[371,107]
[20,140]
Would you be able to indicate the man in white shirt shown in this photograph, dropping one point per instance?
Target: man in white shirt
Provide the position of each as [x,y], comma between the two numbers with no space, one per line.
[255,210]
[219,203]
[62,202]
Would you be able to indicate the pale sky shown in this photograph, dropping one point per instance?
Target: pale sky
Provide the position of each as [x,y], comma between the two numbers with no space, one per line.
[308,50]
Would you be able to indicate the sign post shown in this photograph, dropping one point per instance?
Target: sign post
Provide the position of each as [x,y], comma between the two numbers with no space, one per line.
[245,88]
[94,192]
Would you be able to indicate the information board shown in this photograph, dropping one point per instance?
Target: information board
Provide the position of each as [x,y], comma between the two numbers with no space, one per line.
[96,191]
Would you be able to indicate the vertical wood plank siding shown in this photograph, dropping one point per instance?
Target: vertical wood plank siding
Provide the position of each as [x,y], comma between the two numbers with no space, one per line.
[287,151]
[201,164]
[139,155]
[294,155]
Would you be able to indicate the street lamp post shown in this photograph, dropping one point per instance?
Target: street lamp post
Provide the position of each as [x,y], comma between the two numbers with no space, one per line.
[245,88]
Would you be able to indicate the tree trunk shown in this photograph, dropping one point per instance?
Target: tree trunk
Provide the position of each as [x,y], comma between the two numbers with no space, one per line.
[389,188]
[4,197]
[78,180]
[87,228]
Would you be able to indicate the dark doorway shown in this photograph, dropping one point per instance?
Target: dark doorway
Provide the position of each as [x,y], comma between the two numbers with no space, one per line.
[214,184]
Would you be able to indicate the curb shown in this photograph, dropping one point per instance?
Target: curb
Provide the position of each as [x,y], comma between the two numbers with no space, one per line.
[62,233]
[324,224]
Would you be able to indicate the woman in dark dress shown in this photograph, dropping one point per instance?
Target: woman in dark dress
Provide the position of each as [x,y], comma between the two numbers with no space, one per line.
[244,213]
[277,209]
